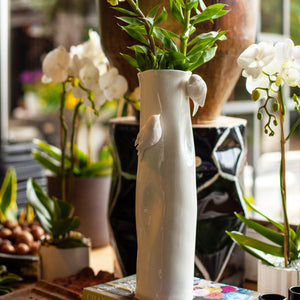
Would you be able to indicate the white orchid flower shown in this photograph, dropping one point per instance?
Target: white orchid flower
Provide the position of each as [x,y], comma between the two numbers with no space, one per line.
[287,56]
[55,66]
[113,84]
[89,77]
[255,58]
[91,49]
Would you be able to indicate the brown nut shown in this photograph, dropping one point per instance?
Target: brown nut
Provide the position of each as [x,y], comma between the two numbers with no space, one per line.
[37,232]
[9,224]
[5,233]
[22,248]
[8,248]
[34,248]
[24,237]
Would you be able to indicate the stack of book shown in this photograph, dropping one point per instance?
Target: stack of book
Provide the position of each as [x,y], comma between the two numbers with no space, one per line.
[203,289]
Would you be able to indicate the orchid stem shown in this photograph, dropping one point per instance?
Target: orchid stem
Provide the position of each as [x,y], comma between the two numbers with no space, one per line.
[283,178]
[63,141]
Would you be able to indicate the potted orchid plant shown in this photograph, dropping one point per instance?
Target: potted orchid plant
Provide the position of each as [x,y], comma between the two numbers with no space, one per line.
[268,68]
[166,184]
[88,81]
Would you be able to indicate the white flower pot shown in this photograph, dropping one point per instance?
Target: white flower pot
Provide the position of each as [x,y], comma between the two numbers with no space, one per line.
[166,199]
[275,280]
[60,263]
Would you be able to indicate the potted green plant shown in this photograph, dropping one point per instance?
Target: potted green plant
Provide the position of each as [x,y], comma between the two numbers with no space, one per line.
[62,246]
[87,82]
[268,68]
[166,197]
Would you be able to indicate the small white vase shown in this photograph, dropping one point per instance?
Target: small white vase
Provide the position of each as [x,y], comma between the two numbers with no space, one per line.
[275,280]
[60,263]
[166,199]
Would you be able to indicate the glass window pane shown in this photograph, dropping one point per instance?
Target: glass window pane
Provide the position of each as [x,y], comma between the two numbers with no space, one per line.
[271,16]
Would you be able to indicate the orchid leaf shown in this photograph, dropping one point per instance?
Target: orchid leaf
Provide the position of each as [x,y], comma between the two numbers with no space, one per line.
[246,241]
[276,224]
[270,234]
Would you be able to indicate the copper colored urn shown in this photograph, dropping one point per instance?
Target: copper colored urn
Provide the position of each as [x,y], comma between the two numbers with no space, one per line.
[220,74]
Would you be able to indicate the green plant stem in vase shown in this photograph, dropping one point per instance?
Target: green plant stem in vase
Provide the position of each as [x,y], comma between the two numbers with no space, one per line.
[268,68]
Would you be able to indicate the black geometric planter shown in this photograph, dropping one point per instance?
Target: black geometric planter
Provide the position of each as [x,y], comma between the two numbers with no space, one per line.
[220,158]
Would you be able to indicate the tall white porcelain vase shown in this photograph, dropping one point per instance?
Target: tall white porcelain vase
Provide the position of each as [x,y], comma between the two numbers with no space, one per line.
[166,199]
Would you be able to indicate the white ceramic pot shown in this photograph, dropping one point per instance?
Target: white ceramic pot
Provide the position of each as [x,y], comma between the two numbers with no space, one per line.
[60,263]
[276,280]
[166,199]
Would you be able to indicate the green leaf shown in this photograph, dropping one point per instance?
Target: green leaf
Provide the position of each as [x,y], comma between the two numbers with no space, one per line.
[176,11]
[270,234]
[202,58]
[69,242]
[247,241]
[252,207]
[211,12]
[61,227]
[161,17]
[131,20]
[47,162]
[130,60]
[208,38]
[100,168]
[152,13]
[49,149]
[136,32]
[63,209]
[192,4]
[125,11]
[8,196]
[140,49]
[165,37]
[9,278]
[41,203]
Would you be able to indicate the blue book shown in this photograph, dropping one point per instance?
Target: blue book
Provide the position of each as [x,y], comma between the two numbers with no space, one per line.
[203,289]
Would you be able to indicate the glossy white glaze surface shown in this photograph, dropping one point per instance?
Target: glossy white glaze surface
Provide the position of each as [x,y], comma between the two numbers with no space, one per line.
[166,201]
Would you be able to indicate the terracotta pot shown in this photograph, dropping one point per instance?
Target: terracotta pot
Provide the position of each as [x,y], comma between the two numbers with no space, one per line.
[220,74]
[90,198]
[60,263]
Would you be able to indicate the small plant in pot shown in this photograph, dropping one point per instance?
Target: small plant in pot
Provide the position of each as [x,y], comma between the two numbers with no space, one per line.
[87,82]
[62,243]
[268,68]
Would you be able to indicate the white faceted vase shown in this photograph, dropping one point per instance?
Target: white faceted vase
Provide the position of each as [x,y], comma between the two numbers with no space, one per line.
[276,280]
[166,199]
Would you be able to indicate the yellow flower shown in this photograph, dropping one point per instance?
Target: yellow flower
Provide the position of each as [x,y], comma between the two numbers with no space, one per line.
[71,101]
